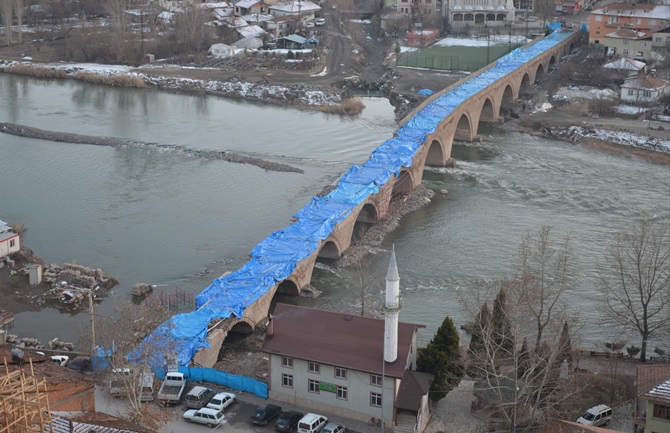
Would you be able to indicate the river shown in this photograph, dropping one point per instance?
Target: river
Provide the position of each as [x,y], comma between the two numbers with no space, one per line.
[147,212]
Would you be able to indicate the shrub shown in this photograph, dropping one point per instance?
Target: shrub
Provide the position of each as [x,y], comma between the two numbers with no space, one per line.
[120,80]
[39,72]
[632,350]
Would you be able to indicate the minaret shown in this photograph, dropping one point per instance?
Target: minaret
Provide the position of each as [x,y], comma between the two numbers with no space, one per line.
[392,306]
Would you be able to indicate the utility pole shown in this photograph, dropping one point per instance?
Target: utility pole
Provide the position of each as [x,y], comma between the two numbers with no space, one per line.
[92,318]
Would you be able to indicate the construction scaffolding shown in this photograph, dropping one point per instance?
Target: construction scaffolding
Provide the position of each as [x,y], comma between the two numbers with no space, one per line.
[24,403]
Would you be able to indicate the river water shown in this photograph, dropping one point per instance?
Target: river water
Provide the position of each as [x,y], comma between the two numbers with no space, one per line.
[148,212]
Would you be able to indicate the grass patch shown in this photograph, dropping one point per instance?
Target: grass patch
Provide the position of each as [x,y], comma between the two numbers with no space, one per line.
[350,107]
[119,80]
[24,69]
[454,57]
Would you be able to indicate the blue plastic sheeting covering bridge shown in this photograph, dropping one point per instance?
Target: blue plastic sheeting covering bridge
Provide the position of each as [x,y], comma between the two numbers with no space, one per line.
[275,258]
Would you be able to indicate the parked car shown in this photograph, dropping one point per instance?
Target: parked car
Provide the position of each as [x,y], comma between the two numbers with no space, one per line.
[312,423]
[207,416]
[60,360]
[309,24]
[320,21]
[265,413]
[332,427]
[288,421]
[596,416]
[80,364]
[221,401]
[199,397]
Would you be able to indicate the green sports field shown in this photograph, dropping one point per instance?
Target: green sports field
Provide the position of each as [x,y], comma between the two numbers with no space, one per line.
[454,57]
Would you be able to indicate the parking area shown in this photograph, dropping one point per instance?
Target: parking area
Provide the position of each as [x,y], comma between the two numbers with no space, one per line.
[237,415]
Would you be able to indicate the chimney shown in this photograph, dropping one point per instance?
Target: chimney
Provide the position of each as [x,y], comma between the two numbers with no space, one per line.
[270,328]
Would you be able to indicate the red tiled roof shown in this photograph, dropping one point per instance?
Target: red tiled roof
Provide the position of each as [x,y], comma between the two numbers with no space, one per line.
[645,82]
[660,392]
[343,340]
[649,376]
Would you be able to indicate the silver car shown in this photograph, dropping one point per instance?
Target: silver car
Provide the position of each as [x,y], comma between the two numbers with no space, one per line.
[207,416]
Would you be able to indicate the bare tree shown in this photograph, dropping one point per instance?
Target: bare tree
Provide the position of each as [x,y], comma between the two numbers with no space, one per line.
[18,11]
[123,332]
[635,281]
[6,9]
[545,271]
[191,29]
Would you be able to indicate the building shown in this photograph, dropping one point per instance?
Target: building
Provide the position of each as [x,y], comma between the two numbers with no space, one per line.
[351,366]
[93,422]
[422,37]
[657,415]
[643,89]
[246,7]
[626,68]
[640,17]
[629,43]
[477,13]
[419,9]
[67,389]
[649,377]
[10,242]
[304,10]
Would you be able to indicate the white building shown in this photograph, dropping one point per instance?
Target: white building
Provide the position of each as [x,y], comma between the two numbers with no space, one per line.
[479,13]
[305,10]
[351,366]
[644,89]
[10,242]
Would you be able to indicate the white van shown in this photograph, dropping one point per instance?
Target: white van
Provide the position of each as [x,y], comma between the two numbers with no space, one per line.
[312,423]
[597,415]
[147,390]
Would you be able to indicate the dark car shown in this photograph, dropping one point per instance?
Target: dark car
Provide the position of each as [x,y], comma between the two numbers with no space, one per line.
[265,413]
[80,364]
[288,421]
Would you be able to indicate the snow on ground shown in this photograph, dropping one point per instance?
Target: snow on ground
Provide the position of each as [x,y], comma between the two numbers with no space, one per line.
[629,109]
[404,49]
[301,94]
[361,21]
[624,138]
[494,40]
[582,92]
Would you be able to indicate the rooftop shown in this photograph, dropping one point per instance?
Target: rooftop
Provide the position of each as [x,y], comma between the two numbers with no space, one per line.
[42,366]
[296,7]
[635,11]
[645,82]
[624,33]
[339,339]
[94,422]
[649,376]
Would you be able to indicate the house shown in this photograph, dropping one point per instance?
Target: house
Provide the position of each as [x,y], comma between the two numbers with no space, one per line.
[629,43]
[281,26]
[644,89]
[489,13]
[418,8]
[68,390]
[650,377]
[636,16]
[303,10]
[626,67]
[351,366]
[246,7]
[660,37]
[422,37]
[10,242]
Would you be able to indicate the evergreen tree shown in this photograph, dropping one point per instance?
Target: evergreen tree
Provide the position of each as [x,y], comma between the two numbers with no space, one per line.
[501,325]
[565,346]
[523,363]
[442,358]
[478,339]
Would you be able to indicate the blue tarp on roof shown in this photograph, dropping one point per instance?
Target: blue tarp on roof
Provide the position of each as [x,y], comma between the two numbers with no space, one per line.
[275,258]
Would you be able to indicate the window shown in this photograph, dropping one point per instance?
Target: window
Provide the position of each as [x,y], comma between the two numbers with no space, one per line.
[630,92]
[646,93]
[340,373]
[599,18]
[287,380]
[376,380]
[659,39]
[625,52]
[625,41]
[638,21]
[342,392]
[652,22]
[286,362]
[11,243]
[314,386]
[314,367]
[661,411]
[375,399]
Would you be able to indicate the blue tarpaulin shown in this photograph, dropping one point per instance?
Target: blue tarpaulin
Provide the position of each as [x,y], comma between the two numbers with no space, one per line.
[275,258]
[239,383]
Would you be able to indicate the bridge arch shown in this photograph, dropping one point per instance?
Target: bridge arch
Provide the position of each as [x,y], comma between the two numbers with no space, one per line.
[464,128]
[368,214]
[435,155]
[289,287]
[525,82]
[552,61]
[539,73]
[487,112]
[402,186]
[242,327]
[330,250]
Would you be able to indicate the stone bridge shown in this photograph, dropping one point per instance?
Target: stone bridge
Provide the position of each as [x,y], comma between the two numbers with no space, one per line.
[461,124]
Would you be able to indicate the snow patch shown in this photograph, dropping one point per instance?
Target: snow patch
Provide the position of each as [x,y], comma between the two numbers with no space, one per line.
[493,40]
[629,109]
[583,92]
